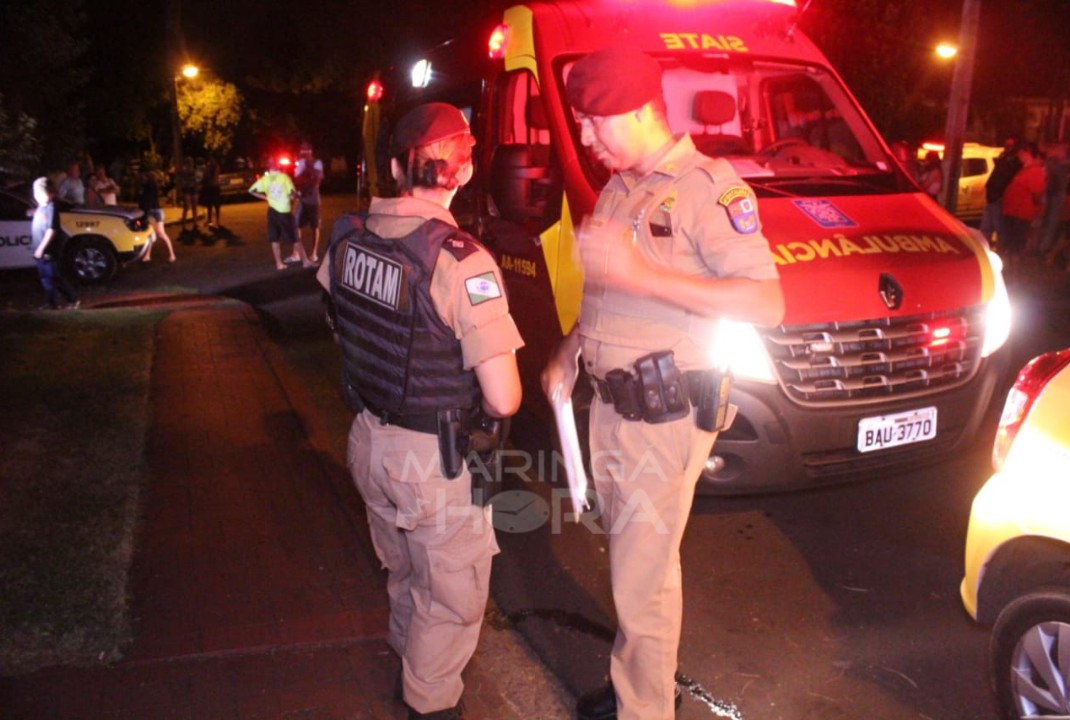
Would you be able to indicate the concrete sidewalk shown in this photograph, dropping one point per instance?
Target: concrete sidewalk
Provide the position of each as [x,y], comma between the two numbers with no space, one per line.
[255,590]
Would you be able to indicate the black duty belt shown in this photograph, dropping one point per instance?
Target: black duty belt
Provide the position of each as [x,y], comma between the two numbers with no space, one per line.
[420,422]
[654,390]
[695,380]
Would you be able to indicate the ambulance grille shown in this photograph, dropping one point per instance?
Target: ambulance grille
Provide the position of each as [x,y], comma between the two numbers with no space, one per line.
[877,359]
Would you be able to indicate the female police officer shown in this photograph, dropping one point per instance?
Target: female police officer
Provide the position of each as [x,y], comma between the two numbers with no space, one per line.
[427,340]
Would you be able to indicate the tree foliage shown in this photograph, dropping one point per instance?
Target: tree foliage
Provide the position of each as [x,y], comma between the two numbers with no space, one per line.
[44,74]
[210,111]
[20,150]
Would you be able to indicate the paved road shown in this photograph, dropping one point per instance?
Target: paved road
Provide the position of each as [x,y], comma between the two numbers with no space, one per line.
[839,603]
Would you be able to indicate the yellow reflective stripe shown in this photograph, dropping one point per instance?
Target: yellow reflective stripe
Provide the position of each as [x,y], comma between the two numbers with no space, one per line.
[565,275]
[520,43]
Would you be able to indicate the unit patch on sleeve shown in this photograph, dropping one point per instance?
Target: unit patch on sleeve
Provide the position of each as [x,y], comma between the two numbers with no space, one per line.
[742,212]
[482,288]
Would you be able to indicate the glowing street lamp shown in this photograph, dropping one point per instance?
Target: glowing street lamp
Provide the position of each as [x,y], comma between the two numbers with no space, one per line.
[946,51]
[188,71]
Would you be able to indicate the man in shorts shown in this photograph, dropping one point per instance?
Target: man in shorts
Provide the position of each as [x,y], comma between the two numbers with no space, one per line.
[307,178]
[278,189]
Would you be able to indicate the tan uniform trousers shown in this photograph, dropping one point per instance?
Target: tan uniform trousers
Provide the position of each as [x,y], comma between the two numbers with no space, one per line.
[437,548]
[645,477]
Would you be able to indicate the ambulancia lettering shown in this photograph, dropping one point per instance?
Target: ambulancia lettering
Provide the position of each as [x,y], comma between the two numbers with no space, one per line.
[839,245]
[372,276]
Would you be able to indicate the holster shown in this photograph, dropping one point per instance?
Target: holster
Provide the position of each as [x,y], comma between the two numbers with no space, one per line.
[487,436]
[654,390]
[453,442]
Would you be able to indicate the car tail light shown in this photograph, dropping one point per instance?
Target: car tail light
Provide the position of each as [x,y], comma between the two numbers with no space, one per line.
[138,224]
[1028,385]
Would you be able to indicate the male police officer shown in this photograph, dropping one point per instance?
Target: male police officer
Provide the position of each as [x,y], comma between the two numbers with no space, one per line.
[674,245]
[428,342]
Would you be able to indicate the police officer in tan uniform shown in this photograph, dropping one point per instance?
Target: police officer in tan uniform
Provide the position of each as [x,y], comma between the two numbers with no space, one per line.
[428,342]
[674,245]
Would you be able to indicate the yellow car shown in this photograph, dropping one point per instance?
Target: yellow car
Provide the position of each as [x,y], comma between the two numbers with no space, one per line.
[97,240]
[977,163]
[1018,545]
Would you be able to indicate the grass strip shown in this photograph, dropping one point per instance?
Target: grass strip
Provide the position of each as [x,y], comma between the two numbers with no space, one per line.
[75,394]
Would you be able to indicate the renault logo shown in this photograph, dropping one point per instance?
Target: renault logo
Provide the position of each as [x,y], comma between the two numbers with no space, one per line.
[891,291]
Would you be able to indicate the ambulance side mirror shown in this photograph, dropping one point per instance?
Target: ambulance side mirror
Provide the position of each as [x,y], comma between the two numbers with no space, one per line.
[521,182]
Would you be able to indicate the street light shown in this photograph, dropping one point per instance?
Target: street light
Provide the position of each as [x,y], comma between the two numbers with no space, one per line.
[188,71]
[959,102]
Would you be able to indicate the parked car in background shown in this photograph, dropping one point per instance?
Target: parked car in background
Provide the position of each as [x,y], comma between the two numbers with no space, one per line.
[236,176]
[1017,569]
[98,240]
[977,163]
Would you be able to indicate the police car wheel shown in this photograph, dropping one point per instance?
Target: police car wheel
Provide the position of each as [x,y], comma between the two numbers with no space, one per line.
[91,260]
[1030,654]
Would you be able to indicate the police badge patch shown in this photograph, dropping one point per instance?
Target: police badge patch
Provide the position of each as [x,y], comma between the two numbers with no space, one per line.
[742,212]
[482,288]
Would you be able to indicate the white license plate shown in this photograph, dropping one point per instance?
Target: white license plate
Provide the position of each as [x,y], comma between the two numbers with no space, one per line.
[887,431]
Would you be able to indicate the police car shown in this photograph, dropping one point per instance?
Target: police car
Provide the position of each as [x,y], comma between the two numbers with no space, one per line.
[1017,570]
[98,240]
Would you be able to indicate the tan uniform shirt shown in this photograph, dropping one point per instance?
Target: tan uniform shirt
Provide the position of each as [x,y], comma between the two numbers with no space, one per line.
[693,214]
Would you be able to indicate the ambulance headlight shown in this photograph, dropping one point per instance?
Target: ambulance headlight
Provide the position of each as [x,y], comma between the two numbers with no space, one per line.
[739,348]
[998,314]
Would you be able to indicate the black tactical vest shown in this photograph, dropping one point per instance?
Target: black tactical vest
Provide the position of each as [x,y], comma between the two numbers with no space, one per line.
[399,356]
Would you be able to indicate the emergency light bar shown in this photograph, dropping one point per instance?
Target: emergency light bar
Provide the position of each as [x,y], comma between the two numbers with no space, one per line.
[375,91]
[700,3]
[421,73]
[496,44]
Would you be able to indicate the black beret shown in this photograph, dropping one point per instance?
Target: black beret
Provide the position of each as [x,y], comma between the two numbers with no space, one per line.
[426,124]
[613,81]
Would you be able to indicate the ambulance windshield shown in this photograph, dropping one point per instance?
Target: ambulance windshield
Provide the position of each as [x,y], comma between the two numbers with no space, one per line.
[788,129]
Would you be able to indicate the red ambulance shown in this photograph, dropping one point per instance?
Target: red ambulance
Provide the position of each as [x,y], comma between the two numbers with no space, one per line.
[890,352]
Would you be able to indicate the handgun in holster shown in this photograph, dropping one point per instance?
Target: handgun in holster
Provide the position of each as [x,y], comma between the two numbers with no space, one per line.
[487,436]
[452,442]
[711,398]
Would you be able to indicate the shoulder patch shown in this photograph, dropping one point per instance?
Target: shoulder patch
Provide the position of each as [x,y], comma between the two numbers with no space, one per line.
[482,288]
[461,245]
[738,202]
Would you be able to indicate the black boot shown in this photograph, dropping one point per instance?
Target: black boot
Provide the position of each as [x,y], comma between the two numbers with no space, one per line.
[601,704]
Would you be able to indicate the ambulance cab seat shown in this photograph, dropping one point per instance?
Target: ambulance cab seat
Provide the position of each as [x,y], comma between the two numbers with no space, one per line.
[714,108]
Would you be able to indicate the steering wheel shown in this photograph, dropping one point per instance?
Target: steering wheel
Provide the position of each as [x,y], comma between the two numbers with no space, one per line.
[775,147]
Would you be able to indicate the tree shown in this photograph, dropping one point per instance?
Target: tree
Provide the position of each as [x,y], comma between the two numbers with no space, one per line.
[44,73]
[883,48]
[20,150]
[210,110]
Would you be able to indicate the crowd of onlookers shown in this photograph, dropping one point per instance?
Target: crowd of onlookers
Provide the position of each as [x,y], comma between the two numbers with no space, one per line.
[1026,204]
[1027,211]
